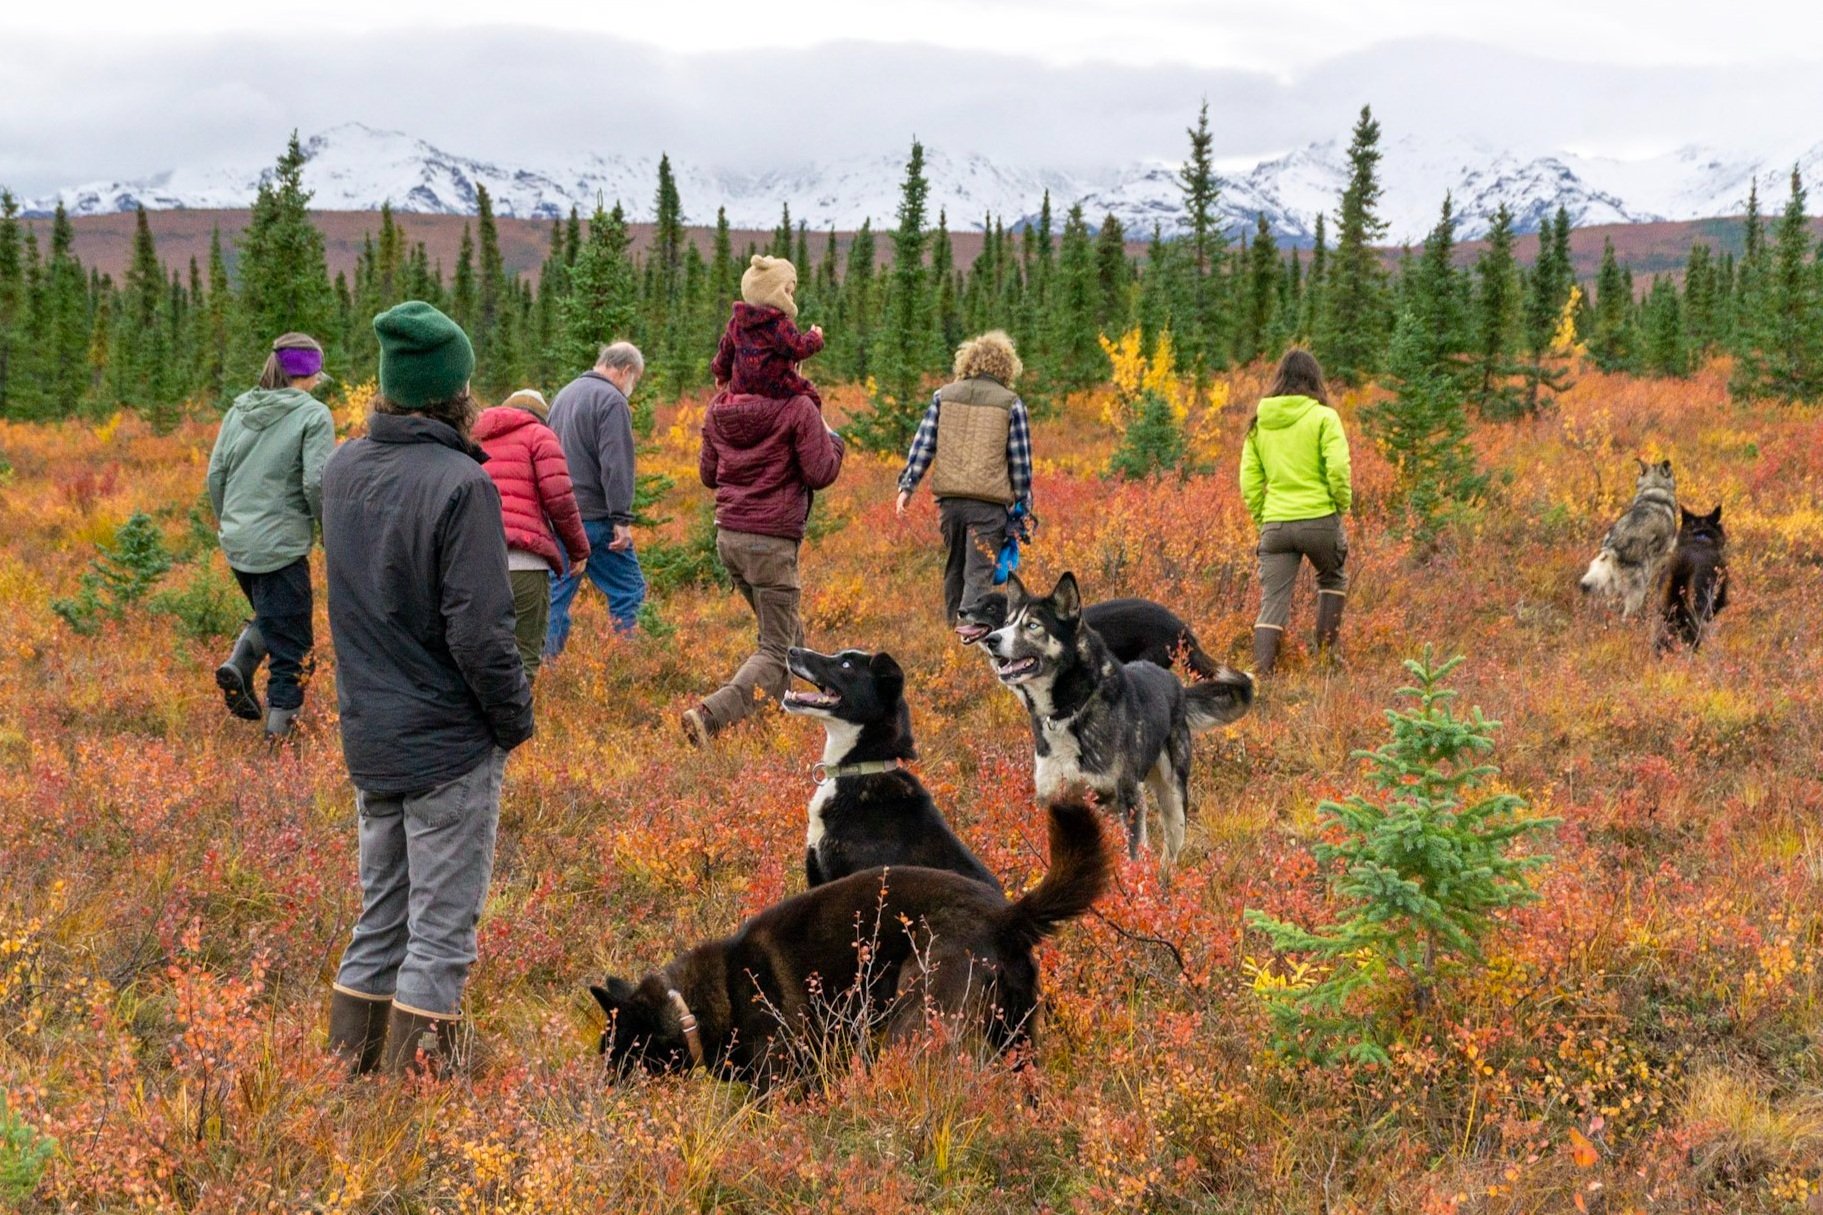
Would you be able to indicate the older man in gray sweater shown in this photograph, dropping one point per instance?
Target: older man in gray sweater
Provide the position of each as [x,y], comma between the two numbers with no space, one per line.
[594,422]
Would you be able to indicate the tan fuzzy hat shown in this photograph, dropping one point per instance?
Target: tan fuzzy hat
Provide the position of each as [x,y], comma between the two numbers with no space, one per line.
[771,282]
[530,400]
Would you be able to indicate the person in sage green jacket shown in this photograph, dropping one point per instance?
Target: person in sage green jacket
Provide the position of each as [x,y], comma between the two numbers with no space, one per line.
[1295,481]
[266,485]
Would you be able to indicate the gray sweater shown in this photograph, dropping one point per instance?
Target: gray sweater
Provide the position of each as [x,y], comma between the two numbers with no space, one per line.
[595,426]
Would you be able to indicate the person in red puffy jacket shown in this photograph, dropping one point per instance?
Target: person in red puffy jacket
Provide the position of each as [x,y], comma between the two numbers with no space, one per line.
[763,457]
[543,527]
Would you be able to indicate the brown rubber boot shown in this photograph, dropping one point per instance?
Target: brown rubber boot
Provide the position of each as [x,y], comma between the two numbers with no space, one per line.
[1265,649]
[419,1045]
[357,1028]
[1329,622]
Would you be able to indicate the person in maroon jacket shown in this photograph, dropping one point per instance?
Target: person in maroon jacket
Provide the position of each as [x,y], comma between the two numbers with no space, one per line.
[763,457]
[762,345]
[537,507]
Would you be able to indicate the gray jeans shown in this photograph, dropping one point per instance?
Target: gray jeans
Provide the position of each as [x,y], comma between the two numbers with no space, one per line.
[973,531]
[426,861]
[1283,547]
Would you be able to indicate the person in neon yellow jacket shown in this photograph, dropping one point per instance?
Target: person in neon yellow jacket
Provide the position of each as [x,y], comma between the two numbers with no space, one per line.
[1295,481]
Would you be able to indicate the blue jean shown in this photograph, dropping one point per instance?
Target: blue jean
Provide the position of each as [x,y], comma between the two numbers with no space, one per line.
[616,575]
[426,862]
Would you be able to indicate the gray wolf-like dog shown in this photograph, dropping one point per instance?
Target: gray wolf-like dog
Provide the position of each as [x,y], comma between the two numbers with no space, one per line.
[1101,723]
[1634,552]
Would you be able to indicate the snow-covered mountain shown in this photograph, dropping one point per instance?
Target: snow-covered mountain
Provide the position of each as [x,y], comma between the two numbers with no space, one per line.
[356,168]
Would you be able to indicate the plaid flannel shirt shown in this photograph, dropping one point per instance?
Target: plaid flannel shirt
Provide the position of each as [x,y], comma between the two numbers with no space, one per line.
[1018,451]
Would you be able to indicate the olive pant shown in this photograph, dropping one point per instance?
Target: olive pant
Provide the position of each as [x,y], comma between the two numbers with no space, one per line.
[765,572]
[531,615]
[974,531]
[1283,547]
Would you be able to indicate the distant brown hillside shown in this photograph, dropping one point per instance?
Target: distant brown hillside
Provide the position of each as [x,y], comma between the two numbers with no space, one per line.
[105,241]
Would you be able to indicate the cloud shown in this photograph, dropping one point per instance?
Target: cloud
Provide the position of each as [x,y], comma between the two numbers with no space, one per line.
[81,110]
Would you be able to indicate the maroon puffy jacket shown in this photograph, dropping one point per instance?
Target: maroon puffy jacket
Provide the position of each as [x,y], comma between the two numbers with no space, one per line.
[759,354]
[526,462]
[763,457]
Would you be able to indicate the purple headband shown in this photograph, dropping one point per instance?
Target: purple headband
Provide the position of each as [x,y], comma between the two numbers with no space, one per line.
[297,362]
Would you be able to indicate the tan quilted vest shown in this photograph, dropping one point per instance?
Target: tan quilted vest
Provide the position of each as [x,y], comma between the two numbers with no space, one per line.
[972,427]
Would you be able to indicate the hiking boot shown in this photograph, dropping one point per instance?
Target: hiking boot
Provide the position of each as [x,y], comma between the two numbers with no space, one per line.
[235,676]
[1265,649]
[278,724]
[357,1028]
[697,727]
[417,1044]
[1329,621]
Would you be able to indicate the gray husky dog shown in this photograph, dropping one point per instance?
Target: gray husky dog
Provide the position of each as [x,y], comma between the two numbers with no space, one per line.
[1634,552]
[1101,723]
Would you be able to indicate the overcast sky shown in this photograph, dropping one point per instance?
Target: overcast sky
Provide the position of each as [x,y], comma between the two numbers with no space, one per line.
[108,90]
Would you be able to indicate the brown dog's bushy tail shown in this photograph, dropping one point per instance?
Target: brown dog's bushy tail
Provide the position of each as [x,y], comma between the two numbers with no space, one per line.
[1220,698]
[1081,867]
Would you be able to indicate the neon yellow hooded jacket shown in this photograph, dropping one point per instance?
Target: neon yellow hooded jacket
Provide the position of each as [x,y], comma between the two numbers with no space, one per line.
[1294,464]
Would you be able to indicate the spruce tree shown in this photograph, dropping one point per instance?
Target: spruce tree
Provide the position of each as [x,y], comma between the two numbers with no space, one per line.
[664,311]
[1497,322]
[1352,329]
[12,300]
[1201,330]
[495,332]
[1749,284]
[859,312]
[1611,336]
[781,235]
[947,332]
[1665,349]
[1423,427]
[142,372]
[66,322]
[1158,291]
[1113,276]
[1782,356]
[1078,360]
[462,294]
[1316,283]
[284,281]
[601,302]
[1702,314]
[1547,292]
[1260,295]
[906,346]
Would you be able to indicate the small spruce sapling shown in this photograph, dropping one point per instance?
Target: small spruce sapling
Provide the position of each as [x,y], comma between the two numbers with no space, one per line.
[1421,873]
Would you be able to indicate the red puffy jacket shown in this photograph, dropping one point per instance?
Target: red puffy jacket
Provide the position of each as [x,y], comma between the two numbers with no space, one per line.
[763,457]
[526,462]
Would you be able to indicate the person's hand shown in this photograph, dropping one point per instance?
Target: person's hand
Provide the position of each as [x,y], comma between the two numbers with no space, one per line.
[623,538]
[904,502]
[817,330]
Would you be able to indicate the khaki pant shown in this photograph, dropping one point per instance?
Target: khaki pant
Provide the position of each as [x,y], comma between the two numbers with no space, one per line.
[531,615]
[974,531]
[1283,547]
[765,571]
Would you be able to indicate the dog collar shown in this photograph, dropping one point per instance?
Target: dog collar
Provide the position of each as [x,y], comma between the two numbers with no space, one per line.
[693,1037]
[823,773]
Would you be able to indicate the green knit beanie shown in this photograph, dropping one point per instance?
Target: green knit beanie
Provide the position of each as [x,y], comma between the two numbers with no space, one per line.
[425,358]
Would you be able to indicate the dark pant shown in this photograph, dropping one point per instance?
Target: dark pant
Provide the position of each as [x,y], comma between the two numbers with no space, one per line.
[281,609]
[1283,547]
[973,531]
[531,615]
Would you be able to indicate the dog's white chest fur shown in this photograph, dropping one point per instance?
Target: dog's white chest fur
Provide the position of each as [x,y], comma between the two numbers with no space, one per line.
[839,739]
[1063,766]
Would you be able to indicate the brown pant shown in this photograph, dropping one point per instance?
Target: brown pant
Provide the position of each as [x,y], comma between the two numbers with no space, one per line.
[974,531]
[765,571]
[531,615]
[1283,546]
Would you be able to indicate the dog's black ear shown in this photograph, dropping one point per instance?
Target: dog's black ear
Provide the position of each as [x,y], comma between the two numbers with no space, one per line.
[1664,466]
[887,673]
[1016,594]
[614,996]
[1066,598]
[1715,516]
[1690,517]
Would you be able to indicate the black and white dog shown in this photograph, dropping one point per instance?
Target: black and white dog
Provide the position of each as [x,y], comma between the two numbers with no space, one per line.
[1098,722]
[1135,630]
[868,810]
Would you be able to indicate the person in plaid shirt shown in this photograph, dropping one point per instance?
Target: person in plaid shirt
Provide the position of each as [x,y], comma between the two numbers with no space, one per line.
[975,441]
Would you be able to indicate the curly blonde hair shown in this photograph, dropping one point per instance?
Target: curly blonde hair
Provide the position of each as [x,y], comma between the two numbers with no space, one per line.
[991,354]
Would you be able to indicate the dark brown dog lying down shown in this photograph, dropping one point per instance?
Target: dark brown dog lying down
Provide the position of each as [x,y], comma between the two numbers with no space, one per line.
[884,948]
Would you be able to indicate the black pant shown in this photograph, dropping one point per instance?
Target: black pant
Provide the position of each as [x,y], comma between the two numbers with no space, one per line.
[281,609]
[973,532]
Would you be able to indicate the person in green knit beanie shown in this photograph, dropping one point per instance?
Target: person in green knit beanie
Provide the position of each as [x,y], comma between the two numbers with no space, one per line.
[432,692]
